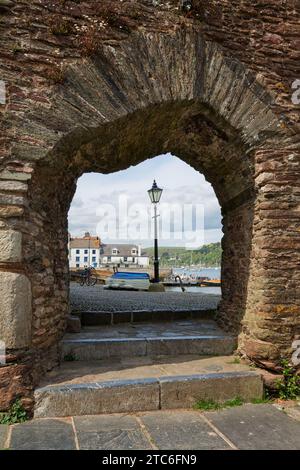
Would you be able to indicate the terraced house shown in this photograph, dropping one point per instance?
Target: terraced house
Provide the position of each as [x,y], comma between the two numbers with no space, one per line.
[90,251]
[84,251]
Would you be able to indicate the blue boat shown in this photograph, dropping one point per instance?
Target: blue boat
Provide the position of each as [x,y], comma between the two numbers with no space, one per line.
[129,281]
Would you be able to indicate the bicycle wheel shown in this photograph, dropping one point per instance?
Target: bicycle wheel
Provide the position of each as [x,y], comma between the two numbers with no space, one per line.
[92,280]
[82,281]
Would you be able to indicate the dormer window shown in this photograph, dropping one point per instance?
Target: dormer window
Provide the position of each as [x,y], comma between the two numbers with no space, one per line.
[133,251]
[115,251]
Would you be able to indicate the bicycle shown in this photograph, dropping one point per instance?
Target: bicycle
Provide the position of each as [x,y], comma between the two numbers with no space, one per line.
[88,277]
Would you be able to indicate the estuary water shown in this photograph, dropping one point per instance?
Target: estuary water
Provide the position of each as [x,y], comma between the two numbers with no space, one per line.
[212,273]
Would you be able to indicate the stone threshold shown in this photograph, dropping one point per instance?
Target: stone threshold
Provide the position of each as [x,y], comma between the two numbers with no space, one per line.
[146,394]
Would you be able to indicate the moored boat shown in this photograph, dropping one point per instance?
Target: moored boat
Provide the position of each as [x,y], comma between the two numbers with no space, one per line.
[128,281]
[211,283]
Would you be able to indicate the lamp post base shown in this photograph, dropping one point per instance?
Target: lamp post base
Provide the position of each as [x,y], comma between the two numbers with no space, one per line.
[157,287]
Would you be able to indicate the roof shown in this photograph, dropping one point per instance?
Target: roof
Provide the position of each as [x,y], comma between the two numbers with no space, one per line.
[85,242]
[123,249]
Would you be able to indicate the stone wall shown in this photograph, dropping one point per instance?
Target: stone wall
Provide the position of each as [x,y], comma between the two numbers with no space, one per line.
[99,86]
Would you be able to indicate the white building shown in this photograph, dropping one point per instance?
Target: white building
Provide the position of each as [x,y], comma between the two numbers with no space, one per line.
[89,251]
[84,252]
[125,255]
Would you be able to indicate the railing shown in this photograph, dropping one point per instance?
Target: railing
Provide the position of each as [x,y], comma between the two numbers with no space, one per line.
[180,281]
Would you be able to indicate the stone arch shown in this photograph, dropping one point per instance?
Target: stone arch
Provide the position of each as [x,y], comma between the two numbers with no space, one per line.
[149,94]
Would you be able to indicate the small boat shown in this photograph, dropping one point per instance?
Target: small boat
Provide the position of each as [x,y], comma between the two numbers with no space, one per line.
[211,283]
[128,281]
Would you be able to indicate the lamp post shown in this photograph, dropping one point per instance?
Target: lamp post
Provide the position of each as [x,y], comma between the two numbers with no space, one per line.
[155,194]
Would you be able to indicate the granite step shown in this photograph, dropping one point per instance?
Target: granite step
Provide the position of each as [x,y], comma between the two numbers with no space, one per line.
[148,393]
[143,383]
[95,349]
[201,337]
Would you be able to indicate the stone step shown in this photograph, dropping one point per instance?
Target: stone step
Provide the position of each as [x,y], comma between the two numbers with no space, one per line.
[201,337]
[145,394]
[95,349]
[94,318]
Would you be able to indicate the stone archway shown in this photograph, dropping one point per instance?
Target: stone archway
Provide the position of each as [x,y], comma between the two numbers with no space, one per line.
[146,95]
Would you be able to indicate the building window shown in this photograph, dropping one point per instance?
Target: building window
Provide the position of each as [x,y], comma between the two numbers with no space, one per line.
[77,252]
[133,251]
[77,266]
[94,259]
[125,258]
[85,259]
[133,260]
[109,258]
[86,252]
[95,265]
[114,251]
[77,259]
[94,252]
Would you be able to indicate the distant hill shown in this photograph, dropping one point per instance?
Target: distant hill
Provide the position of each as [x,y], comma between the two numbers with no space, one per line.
[207,255]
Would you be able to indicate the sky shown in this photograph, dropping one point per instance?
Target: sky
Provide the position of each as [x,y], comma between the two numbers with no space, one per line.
[117,208]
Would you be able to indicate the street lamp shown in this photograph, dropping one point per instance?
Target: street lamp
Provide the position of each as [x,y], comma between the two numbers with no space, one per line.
[155,194]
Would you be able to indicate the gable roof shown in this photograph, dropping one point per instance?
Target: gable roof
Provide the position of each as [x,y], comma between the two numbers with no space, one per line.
[91,242]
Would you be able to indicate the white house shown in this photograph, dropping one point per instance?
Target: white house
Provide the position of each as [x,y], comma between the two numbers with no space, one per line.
[84,252]
[90,251]
[123,255]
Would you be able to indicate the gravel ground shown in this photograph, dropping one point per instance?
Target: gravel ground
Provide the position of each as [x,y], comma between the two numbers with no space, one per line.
[99,299]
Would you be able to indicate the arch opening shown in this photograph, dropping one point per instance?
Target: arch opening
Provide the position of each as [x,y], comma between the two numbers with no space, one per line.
[111,215]
[184,129]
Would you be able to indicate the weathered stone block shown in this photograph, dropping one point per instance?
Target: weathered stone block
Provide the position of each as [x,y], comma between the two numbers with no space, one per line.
[15,310]
[14,175]
[73,324]
[10,246]
[11,211]
[184,392]
[91,349]
[16,186]
[95,398]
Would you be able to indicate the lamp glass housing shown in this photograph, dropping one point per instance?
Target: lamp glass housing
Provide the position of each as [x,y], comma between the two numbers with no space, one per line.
[155,193]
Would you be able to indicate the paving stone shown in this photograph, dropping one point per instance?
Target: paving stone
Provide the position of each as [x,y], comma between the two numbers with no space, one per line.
[260,427]
[182,430]
[110,432]
[3,435]
[46,434]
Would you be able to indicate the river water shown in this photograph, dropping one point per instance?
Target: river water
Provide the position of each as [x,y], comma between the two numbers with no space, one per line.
[212,273]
